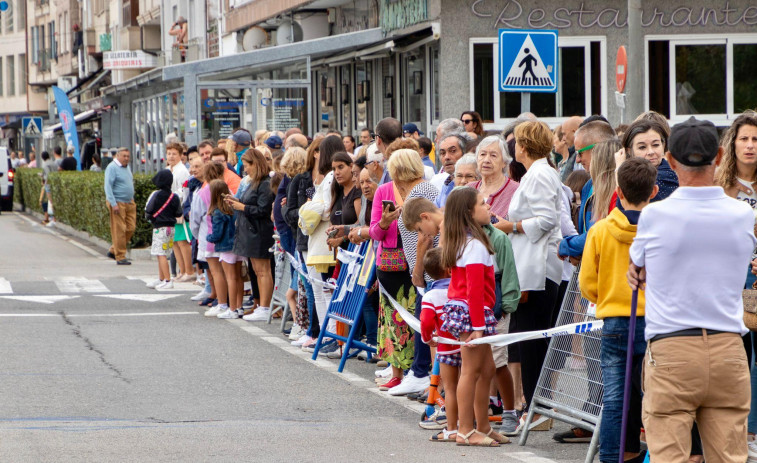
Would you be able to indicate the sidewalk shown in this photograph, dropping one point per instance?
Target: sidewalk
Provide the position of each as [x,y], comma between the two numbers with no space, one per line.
[93,241]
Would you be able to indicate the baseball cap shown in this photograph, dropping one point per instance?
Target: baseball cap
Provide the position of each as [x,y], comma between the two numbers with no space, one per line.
[70,148]
[409,128]
[694,143]
[274,142]
[241,137]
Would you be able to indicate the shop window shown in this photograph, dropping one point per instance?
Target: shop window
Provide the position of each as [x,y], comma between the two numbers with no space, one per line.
[580,83]
[744,70]
[328,99]
[345,98]
[364,90]
[712,76]
[413,87]
[436,112]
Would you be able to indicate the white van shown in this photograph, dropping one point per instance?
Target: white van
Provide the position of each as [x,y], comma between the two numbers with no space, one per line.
[6,179]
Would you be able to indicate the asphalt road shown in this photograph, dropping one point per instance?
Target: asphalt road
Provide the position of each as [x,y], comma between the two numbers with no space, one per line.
[96,367]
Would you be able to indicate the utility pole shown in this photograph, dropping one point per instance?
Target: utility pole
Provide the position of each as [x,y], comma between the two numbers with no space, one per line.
[635,79]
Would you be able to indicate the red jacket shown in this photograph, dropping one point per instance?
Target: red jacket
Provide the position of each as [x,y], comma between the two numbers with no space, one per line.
[473,282]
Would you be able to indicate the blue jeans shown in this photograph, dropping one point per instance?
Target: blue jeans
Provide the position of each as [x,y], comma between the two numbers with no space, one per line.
[613,363]
[422,353]
[370,318]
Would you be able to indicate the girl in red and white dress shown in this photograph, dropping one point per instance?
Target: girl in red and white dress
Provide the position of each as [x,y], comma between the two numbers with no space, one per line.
[468,254]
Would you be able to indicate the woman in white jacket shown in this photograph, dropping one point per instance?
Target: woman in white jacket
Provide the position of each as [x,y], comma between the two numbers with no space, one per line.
[534,227]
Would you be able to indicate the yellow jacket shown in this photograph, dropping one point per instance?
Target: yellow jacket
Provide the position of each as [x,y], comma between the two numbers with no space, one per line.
[602,278]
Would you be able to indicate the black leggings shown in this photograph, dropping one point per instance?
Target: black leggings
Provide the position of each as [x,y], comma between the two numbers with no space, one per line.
[534,315]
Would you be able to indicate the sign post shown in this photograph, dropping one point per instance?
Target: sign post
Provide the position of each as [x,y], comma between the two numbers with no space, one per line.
[621,74]
[528,63]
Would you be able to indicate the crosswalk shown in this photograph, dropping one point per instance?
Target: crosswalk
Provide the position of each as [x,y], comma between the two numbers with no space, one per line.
[63,288]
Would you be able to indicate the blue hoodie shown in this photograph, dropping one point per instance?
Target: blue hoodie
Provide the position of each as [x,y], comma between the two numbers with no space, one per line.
[573,246]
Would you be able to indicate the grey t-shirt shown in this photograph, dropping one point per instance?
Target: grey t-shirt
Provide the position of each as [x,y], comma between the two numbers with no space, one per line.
[48,167]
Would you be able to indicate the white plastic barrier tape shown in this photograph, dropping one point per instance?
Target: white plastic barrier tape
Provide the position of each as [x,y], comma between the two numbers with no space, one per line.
[296,265]
[499,340]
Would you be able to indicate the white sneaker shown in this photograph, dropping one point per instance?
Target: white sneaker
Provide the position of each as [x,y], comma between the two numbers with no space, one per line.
[153,284]
[229,314]
[51,223]
[410,384]
[200,296]
[385,373]
[296,333]
[165,285]
[303,339]
[214,311]
[363,355]
[752,452]
[259,315]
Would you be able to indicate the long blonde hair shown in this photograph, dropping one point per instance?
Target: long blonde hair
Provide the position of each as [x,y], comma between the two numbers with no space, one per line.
[602,172]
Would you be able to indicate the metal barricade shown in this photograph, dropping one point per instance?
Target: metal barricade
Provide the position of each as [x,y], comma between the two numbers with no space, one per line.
[570,384]
[282,279]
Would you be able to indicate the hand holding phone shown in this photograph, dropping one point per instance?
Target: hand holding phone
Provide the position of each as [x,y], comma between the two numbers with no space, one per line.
[388,205]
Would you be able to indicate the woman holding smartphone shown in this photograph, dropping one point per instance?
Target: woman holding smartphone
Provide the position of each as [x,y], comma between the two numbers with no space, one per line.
[254,228]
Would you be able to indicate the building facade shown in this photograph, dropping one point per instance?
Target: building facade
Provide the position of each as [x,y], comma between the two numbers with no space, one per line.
[344,65]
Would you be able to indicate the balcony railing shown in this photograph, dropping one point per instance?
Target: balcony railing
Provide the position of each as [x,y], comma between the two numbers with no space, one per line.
[193,50]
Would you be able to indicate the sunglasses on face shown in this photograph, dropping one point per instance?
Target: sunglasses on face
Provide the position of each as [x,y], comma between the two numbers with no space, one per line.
[467,121]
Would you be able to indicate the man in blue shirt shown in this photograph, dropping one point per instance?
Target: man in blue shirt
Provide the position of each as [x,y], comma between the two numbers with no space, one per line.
[119,193]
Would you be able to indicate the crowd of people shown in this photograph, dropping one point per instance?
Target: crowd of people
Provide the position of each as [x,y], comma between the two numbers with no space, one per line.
[478,233]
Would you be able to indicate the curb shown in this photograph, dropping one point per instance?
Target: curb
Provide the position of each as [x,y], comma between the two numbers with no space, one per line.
[94,241]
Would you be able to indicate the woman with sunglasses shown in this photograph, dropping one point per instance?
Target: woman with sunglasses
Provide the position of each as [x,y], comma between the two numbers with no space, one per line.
[473,123]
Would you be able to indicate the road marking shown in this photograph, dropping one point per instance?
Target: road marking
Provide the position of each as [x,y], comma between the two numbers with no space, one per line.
[40,299]
[79,284]
[139,297]
[5,286]
[82,315]
[528,457]
[55,233]
[178,287]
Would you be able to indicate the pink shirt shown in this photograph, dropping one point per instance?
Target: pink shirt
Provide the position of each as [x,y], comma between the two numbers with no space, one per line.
[384,238]
[499,202]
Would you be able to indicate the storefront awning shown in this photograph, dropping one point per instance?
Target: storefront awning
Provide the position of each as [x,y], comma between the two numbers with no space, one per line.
[84,85]
[81,117]
[311,48]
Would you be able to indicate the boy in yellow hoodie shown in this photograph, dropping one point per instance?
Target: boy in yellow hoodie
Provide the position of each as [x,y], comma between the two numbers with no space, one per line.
[602,280]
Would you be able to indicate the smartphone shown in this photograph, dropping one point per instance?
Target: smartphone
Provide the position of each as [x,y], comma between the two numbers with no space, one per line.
[332,233]
[386,203]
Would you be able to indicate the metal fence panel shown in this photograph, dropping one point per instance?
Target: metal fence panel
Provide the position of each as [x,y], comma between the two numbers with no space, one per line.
[570,385]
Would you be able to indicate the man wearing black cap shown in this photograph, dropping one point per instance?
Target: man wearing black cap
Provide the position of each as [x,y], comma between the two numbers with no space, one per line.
[689,254]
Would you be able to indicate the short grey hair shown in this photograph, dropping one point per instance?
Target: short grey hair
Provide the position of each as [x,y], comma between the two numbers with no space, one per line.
[510,128]
[492,139]
[468,160]
[451,125]
[462,140]
[374,154]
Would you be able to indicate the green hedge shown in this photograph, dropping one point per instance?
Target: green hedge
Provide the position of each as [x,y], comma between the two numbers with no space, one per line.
[79,201]
[27,185]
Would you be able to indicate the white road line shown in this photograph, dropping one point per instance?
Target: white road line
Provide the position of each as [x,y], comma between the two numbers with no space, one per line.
[55,233]
[528,457]
[178,287]
[40,299]
[139,297]
[79,284]
[5,286]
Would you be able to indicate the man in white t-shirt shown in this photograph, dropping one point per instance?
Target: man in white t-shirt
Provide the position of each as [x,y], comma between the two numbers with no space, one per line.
[691,250]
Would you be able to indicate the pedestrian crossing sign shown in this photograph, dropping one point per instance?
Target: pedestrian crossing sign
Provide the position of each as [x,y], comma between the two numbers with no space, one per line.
[32,126]
[528,60]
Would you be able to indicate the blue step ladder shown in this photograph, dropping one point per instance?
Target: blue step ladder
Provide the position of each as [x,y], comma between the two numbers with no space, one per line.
[357,273]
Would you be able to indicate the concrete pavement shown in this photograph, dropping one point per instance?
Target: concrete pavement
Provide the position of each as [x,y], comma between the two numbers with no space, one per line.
[107,371]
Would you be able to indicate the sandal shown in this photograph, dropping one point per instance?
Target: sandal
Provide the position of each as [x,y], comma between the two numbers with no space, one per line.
[447,436]
[497,436]
[487,442]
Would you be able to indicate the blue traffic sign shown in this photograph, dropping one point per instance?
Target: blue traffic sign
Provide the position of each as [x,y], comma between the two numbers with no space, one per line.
[32,126]
[4,5]
[528,60]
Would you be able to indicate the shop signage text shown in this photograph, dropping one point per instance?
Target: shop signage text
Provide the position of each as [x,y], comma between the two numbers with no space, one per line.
[513,12]
[128,60]
[398,14]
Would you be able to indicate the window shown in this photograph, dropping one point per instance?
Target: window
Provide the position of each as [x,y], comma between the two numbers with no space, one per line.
[11,65]
[580,83]
[53,42]
[9,20]
[436,111]
[23,80]
[1,76]
[710,77]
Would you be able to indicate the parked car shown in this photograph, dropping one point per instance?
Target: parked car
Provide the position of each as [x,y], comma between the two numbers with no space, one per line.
[6,180]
